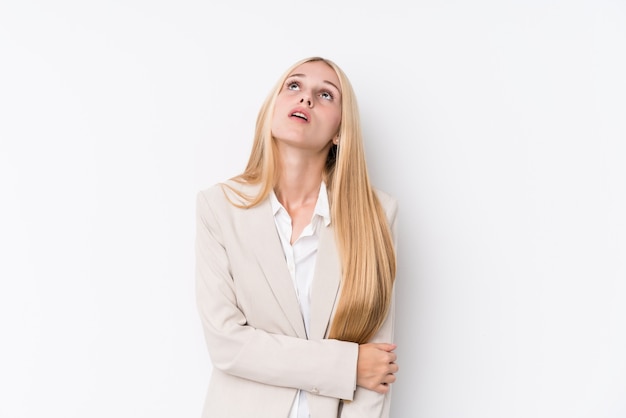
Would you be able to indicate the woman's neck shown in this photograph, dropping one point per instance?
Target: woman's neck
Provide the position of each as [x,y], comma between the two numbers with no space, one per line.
[299,181]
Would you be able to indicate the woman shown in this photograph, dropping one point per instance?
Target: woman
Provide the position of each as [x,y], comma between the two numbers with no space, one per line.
[296,263]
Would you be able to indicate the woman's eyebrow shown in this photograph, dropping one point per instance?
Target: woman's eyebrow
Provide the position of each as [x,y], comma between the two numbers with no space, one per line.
[325,81]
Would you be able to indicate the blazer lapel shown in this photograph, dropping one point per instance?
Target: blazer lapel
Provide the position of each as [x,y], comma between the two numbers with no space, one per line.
[325,287]
[268,250]
[270,256]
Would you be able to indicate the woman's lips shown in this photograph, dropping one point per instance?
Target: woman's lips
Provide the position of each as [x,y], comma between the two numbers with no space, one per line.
[300,114]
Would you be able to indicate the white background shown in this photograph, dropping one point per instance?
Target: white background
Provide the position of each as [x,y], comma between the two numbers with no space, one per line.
[499,126]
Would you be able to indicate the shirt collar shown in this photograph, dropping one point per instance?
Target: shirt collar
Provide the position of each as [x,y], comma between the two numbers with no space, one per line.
[322,208]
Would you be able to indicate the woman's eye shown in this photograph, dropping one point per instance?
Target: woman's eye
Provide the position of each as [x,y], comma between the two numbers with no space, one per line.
[326,95]
[293,86]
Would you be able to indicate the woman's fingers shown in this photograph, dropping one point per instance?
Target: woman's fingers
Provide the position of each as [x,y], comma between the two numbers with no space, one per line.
[376,366]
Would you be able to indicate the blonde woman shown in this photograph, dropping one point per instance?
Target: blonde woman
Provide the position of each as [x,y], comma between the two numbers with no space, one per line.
[296,263]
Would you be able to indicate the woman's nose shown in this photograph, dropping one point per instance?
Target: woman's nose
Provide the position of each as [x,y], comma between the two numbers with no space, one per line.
[306,101]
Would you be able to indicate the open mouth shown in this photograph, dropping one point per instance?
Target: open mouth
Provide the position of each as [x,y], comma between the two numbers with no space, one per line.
[300,115]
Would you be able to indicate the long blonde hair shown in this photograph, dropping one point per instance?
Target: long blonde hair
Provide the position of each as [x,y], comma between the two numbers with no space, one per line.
[363,236]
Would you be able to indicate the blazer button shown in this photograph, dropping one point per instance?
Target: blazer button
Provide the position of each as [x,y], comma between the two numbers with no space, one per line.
[315,391]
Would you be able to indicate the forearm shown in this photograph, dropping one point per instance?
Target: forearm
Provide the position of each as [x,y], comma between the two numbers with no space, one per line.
[325,367]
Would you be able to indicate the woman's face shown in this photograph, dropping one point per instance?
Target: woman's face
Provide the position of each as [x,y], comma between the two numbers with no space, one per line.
[307,112]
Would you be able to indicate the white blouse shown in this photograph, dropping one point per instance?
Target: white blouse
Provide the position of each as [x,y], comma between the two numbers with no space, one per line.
[300,258]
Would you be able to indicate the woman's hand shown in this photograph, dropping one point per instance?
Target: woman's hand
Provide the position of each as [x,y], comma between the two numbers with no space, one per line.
[376,366]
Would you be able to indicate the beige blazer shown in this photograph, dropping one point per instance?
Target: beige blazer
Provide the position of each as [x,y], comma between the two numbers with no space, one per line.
[252,322]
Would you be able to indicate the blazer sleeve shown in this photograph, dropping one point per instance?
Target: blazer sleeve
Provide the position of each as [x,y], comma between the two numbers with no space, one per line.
[367,403]
[324,367]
